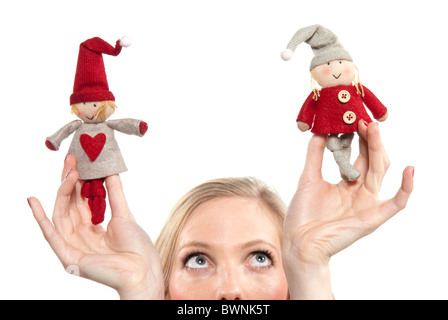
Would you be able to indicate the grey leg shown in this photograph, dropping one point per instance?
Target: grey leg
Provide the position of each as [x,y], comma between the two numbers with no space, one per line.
[341,148]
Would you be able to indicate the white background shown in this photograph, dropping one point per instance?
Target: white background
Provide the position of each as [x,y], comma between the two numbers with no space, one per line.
[208,78]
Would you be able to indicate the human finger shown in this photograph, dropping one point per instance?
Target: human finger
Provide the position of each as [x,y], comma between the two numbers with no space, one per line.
[54,239]
[314,157]
[117,199]
[69,164]
[82,215]
[362,161]
[61,212]
[378,159]
[392,206]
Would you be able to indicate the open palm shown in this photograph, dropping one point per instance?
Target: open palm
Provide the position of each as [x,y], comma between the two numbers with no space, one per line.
[122,256]
[325,218]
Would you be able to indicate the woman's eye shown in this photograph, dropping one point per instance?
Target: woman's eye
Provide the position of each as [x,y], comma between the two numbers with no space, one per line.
[197,262]
[260,260]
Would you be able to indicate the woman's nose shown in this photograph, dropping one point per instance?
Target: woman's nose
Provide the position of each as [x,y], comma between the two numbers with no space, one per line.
[230,285]
[230,295]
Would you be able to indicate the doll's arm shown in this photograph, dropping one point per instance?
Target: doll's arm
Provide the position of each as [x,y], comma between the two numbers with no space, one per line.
[129,126]
[306,115]
[379,111]
[54,141]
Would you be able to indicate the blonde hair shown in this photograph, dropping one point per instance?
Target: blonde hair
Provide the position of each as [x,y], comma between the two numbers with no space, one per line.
[314,87]
[356,82]
[247,187]
[101,111]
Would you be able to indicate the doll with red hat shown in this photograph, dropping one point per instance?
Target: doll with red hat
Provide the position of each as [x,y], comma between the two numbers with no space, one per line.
[94,144]
[335,109]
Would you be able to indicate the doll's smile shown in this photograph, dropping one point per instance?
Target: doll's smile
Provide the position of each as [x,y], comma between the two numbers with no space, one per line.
[337,76]
[90,118]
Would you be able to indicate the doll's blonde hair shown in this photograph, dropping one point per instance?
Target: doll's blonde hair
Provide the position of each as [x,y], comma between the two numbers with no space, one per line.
[314,87]
[246,187]
[101,111]
[356,82]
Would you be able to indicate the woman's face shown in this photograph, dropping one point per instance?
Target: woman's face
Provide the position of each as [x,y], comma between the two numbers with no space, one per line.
[230,248]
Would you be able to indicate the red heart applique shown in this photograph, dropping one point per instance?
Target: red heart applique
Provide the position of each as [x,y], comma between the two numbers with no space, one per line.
[92,146]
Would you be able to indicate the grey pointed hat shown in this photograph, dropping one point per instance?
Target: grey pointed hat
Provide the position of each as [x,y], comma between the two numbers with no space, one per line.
[324,43]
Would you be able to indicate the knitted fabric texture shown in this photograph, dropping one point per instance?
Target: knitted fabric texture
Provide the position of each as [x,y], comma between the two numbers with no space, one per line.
[95,147]
[96,193]
[325,116]
[341,148]
[324,43]
[90,79]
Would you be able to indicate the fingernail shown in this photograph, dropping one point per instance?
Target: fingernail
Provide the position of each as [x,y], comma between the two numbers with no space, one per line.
[28,200]
[366,123]
[72,269]
[67,174]
[413,171]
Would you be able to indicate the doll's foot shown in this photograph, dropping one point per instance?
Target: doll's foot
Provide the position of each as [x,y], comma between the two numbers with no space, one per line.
[349,172]
[97,206]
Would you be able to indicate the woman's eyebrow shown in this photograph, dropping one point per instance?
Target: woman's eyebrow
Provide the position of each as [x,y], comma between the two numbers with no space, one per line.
[194,243]
[205,245]
[256,242]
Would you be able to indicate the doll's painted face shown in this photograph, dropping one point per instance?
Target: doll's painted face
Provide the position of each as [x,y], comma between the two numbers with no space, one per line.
[94,112]
[334,73]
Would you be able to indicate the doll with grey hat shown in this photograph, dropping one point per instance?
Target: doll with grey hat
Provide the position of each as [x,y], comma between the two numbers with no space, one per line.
[337,107]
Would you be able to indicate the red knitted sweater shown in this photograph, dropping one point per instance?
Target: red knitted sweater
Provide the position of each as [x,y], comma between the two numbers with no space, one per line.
[331,115]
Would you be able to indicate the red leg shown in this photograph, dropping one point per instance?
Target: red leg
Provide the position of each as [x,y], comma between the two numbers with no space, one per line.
[95,191]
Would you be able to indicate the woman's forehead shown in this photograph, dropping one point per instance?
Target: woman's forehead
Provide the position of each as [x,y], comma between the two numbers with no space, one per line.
[231,220]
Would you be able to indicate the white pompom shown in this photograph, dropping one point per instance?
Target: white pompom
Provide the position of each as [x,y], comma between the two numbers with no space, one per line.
[287,54]
[125,41]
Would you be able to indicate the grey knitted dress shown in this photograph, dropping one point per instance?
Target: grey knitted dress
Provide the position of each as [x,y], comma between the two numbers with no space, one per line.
[95,147]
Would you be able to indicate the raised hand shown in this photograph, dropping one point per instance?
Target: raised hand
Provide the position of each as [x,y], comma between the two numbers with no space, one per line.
[122,256]
[325,218]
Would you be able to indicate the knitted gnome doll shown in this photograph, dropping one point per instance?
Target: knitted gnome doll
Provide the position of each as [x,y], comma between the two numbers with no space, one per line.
[335,109]
[94,145]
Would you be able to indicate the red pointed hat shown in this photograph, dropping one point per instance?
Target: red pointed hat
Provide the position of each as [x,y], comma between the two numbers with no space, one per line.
[90,79]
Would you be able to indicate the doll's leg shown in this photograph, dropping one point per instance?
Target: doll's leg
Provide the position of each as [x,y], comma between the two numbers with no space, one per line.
[96,193]
[346,139]
[333,142]
[346,143]
[341,154]
[98,207]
